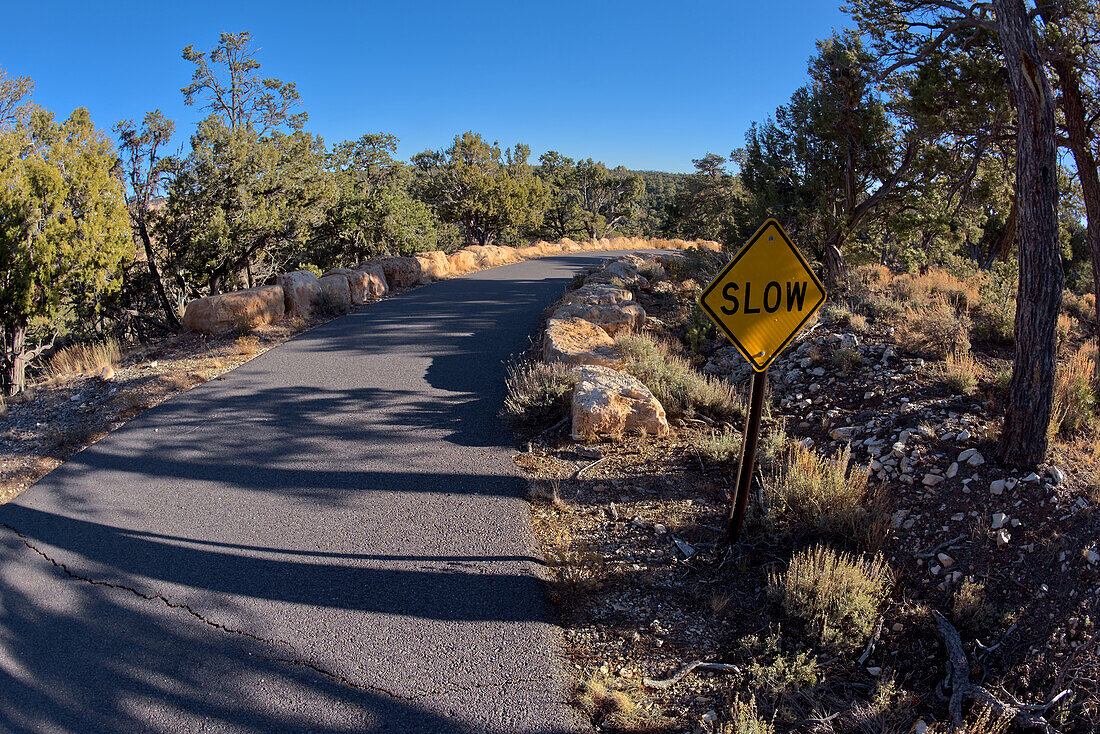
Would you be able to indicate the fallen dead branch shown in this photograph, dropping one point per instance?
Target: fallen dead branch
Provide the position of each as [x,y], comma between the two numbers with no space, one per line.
[958,681]
[694,665]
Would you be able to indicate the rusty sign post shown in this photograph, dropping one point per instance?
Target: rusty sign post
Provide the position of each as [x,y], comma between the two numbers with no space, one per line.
[761,300]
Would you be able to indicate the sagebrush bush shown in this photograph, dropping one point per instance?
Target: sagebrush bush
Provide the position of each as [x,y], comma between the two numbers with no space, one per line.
[836,594]
[935,330]
[537,391]
[1067,327]
[809,492]
[960,373]
[969,608]
[674,382]
[872,275]
[720,447]
[846,359]
[88,358]
[745,719]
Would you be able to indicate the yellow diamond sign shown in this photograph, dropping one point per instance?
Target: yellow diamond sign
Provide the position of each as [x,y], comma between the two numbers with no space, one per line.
[764,296]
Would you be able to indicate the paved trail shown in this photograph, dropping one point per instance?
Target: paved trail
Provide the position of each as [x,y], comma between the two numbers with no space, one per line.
[328,539]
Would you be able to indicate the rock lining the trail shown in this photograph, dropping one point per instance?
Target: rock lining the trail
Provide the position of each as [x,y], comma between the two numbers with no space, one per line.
[303,292]
[610,404]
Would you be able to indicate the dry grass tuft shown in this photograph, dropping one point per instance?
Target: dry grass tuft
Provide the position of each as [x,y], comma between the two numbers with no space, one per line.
[673,381]
[812,493]
[935,330]
[84,359]
[614,704]
[246,346]
[1068,327]
[960,373]
[838,595]
[1074,408]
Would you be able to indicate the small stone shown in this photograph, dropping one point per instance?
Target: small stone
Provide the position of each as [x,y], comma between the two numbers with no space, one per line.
[945,559]
[1057,475]
[1003,536]
[685,548]
[965,455]
[962,435]
[999,520]
[1011,483]
[898,518]
[710,718]
[659,528]
[958,516]
[107,373]
[931,480]
[935,570]
[875,670]
[1031,478]
[896,627]
[997,486]
[1092,556]
[976,460]
[953,469]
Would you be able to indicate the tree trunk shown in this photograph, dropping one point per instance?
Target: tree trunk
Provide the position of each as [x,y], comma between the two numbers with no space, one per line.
[158,283]
[1073,109]
[1039,293]
[15,367]
[836,270]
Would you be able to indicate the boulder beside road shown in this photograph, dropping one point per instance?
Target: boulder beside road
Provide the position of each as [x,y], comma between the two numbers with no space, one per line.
[335,291]
[608,403]
[434,265]
[301,292]
[578,342]
[626,317]
[359,283]
[235,311]
[401,272]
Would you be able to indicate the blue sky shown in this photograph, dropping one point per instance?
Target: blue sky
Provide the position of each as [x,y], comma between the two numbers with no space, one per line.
[642,84]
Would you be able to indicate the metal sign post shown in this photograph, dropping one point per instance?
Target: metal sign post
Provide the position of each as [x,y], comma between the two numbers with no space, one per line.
[760,300]
[736,518]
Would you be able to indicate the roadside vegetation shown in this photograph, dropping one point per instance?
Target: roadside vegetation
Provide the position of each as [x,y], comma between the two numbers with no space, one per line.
[878,503]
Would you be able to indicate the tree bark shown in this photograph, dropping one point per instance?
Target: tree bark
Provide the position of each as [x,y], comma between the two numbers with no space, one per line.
[1039,293]
[836,270]
[1073,108]
[15,366]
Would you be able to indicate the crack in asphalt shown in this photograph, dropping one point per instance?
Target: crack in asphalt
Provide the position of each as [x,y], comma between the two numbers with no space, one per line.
[325,673]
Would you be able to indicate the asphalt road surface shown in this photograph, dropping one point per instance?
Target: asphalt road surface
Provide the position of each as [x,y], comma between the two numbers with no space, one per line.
[330,539]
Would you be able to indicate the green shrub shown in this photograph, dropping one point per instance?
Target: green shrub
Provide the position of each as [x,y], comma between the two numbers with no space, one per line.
[836,594]
[673,381]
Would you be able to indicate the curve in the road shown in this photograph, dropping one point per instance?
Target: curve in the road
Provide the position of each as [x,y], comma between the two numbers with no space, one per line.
[328,538]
